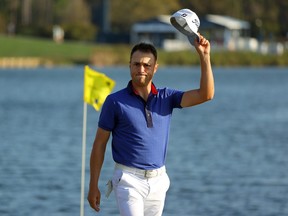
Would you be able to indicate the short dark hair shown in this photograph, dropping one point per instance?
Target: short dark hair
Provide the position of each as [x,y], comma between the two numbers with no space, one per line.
[146,48]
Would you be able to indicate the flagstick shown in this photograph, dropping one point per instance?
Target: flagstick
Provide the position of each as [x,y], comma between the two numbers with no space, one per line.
[83,159]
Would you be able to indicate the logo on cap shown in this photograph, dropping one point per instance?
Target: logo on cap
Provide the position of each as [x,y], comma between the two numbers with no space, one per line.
[184,15]
[196,22]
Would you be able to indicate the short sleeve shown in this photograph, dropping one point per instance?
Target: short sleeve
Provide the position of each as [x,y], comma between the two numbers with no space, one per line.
[107,115]
[176,97]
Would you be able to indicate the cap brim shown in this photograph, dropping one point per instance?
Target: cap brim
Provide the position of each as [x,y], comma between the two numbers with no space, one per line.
[192,39]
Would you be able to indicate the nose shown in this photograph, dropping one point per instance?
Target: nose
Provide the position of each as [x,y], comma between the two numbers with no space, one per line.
[142,68]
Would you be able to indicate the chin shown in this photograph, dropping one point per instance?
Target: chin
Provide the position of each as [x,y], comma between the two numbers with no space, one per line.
[140,82]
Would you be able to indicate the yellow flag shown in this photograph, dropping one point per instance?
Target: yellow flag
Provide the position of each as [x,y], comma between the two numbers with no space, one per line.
[97,86]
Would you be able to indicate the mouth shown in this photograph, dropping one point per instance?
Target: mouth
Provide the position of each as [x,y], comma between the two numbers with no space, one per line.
[141,75]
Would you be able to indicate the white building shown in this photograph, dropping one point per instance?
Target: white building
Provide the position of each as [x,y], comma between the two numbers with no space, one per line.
[223,32]
[156,30]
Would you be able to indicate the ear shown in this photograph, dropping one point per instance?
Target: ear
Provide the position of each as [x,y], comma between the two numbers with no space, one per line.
[156,68]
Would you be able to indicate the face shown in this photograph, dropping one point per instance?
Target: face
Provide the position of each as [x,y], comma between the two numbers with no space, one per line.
[142,68]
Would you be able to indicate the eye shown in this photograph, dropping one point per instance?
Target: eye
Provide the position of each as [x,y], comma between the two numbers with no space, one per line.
[139,64]
[136,64]
[146,65]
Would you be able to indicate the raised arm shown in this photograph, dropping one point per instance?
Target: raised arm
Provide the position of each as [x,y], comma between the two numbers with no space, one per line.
[96,161]
[206,89]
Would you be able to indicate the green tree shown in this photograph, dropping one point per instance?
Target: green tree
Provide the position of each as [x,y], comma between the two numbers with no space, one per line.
[75,17]
[123,13]
[224,7]
[36,17]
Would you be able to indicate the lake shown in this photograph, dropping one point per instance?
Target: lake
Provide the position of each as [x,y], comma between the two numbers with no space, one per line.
[227,157]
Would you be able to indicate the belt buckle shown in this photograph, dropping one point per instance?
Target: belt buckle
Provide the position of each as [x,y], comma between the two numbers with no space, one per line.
[150,173]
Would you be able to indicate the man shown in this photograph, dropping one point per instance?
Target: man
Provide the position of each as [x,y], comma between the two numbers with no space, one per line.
[139,118]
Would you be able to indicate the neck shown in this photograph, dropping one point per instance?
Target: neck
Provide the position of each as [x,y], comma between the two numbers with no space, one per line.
[143,91]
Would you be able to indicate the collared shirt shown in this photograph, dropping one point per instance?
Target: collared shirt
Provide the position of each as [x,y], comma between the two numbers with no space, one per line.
[140,129]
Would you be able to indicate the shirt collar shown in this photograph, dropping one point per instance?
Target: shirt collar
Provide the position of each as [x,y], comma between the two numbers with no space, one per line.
[154,90]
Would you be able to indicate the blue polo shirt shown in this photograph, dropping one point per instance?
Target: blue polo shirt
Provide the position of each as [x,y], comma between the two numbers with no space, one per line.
[140,130]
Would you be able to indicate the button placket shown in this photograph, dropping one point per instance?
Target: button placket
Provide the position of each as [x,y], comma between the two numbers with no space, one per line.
[148,117]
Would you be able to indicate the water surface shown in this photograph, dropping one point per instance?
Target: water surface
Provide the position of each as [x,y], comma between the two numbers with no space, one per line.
[225,157]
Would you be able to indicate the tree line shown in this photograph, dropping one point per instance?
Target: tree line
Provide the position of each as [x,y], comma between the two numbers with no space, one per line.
[85,19]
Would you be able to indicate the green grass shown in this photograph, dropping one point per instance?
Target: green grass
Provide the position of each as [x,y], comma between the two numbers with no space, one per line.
[44,48]
[73,52]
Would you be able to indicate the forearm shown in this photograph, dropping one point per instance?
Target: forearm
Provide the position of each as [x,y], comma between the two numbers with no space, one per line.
[97,155]
[96,162]
[207,80]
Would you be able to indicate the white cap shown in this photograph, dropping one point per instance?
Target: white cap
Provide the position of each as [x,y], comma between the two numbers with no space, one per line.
[187,22]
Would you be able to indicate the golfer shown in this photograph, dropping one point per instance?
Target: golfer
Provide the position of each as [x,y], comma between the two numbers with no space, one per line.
[138,116]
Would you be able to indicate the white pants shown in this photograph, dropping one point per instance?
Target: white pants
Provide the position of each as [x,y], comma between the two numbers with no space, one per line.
[140,196]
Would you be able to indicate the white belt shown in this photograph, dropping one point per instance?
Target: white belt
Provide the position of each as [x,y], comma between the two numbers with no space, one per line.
[143,173]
